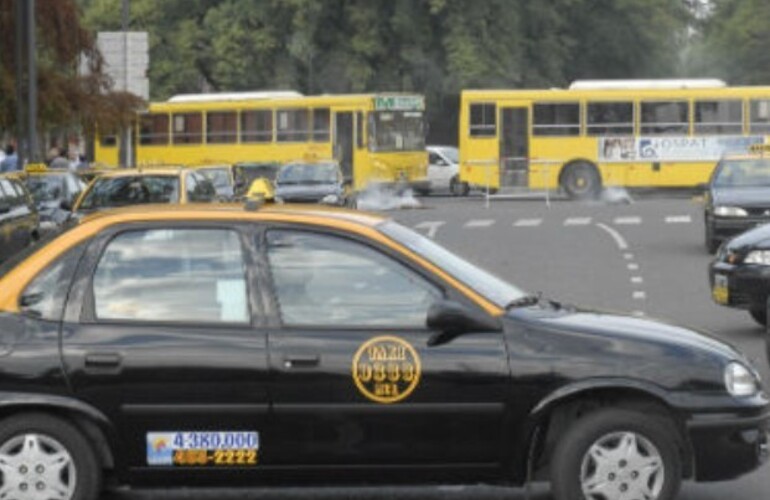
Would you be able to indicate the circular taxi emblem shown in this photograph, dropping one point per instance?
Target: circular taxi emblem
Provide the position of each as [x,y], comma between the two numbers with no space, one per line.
[386,369]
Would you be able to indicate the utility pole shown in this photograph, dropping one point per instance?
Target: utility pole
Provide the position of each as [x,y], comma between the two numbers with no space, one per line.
[21,144]
[32,141]
[126,150]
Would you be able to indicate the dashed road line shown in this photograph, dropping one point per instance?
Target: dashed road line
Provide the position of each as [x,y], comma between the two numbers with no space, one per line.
[678,219]
[480,223]
[577,221]
[431,227]
[619,221]
[639,295]
[619,240]
[527,222]
[633,266]
[637,279]
[628,256]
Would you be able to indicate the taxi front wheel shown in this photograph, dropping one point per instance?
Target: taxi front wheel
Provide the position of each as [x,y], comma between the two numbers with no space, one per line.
[45,457]
[616,453]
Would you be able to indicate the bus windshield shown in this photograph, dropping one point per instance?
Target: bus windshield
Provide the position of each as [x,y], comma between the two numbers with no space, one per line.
[396,131]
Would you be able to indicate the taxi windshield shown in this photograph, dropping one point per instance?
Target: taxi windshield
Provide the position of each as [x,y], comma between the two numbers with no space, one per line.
[743,173]
[131,190]
[219,177]
[298,173]
[481,281]
[46,187]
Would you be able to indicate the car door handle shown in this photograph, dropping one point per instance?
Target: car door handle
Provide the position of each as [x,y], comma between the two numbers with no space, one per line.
[301,361]
[102,360]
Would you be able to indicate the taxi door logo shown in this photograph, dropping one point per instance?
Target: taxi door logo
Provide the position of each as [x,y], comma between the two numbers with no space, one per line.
[159,449]
[386,369]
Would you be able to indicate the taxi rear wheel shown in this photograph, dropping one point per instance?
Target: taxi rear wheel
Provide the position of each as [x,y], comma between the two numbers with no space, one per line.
[45,457]
[616,453]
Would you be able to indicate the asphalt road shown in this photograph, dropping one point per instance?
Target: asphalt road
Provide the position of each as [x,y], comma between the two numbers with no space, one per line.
[646,257]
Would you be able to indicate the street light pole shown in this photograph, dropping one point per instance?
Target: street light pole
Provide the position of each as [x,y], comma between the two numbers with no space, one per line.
[19,11]
[127,139]
[32,143]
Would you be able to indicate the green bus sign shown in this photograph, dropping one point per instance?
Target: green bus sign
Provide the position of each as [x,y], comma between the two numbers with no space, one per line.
[399,103]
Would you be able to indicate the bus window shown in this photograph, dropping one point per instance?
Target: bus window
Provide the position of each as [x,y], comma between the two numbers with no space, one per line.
[257,126]
[293,125]
[718,117]
[396,131]
[665,118]
[321,125]
[188,128]
[483,120]
[359,130]
[153,129]
[108,140]
[221,127]
[556,119]
[610,118]
[760,116]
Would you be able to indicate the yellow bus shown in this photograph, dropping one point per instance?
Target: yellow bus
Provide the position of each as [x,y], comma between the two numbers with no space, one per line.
[600,133]
[374,137]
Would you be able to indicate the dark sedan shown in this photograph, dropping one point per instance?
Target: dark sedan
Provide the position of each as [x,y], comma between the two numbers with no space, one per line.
[310,183]
[737,198]
[740,275]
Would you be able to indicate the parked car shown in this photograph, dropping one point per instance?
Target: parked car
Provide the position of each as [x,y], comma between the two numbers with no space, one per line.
[444,170]
[55,193]
[740,274]
[173,185]
[205,345]
[304,182]
[19,222]
[737,197]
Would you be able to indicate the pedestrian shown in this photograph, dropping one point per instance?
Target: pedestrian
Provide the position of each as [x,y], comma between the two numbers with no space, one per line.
[11,161]
[61,161]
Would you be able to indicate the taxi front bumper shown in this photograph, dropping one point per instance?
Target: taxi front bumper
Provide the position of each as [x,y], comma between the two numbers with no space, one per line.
[726,446]
[743,286]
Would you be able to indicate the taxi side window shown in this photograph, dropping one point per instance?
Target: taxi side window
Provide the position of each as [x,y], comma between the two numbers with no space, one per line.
[323,280]
[45,296]
[199,188]
[175,275]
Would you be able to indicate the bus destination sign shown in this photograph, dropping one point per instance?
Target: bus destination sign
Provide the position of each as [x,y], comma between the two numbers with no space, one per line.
[399,103]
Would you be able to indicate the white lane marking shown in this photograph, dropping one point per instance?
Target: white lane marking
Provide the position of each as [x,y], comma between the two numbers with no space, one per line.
[638,295]
[633,267]
[638,313]
[678,219]
[431,227]
[628,256]
[637,279]
[577,221]
[619,240]
[479,223]
[627,220]
[527,222]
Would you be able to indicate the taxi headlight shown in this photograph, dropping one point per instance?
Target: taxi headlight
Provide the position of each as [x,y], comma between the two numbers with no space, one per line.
[740,381]
[761,257]
[725,211]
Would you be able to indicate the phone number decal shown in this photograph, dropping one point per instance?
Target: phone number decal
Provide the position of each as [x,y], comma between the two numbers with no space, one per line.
[203,448]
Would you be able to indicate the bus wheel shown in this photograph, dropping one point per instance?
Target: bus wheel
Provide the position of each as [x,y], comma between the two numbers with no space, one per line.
[458,187]
[581,180]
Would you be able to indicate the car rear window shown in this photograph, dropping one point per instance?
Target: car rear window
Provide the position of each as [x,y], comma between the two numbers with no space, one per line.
[131,190]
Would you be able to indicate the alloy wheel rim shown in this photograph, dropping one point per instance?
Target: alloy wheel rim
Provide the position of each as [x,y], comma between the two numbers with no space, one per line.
[36,466]
[622,466]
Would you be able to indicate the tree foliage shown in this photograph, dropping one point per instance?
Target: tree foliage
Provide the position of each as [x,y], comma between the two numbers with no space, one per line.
[436,47]
[68,97]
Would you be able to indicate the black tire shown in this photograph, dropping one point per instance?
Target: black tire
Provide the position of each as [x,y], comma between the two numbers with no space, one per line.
[87,471]
[581,180]
[712,245]
[458,187]
[759,315]
[573,447]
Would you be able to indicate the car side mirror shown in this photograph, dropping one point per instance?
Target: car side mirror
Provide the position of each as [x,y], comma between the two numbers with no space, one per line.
[450,319]
[441,162]
[66,205]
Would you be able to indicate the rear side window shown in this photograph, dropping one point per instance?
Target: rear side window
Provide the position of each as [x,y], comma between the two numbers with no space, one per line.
[200,189]
[46,295]
[172,275]
[557,119]
[665,118]
[483,120]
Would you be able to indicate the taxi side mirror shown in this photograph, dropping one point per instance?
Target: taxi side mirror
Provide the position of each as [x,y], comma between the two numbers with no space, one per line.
[451,319]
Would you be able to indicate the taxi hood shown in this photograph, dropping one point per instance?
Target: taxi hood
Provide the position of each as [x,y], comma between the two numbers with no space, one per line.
[758,237]
[741,196]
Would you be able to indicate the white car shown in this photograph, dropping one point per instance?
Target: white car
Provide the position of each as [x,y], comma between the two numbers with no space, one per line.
[444,170]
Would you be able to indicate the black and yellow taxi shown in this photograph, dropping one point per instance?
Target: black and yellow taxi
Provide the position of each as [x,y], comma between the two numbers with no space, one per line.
[212,344]
[151,185]
[54,191]
[19,220]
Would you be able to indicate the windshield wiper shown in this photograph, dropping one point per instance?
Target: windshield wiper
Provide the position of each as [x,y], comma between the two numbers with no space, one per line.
[525,301]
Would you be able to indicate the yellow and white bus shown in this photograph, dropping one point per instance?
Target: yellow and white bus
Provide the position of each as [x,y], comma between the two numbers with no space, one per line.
[374,137]
[633,133]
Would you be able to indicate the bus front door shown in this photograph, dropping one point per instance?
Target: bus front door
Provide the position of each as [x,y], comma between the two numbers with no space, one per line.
[343,143]
[514,147]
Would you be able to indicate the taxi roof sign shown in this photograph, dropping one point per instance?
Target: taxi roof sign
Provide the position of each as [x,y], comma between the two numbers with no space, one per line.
[35,167]
[759,148]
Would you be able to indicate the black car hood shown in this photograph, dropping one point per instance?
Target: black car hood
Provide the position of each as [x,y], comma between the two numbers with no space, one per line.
[741,196]
[758,237]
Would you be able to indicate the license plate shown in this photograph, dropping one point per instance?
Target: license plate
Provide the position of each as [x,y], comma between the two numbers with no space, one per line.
[720,291]
[218,448]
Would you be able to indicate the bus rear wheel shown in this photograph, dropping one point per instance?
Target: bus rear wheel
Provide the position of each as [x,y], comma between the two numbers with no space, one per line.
[581,180]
